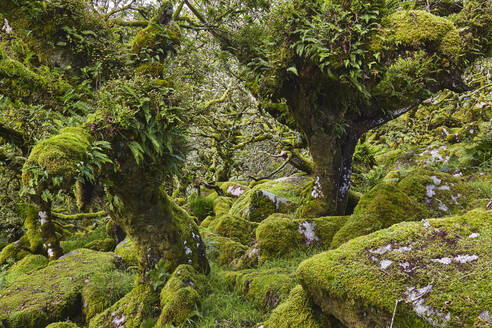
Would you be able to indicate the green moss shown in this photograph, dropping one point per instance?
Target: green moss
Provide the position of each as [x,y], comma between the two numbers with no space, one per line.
[19,82]
[126,249]
[222,205]
[62,325]
[201,207]
[265,288]
[235,228]
[381,207]
[224,308]
[361,281]
[154,40]
[222,249]
[27,265]
[181,295]
[101,245]
[67,34]
[53,293]
[33,230]
[15,251]
[207,222]
[250,259]
[418,28]
[59,155]
[442,193]
[233,188]
[131,311]
[80,239]
[103,290]
[28,318]
[296,312]
[155,70]
[268,197]
[311,209]
[280,234]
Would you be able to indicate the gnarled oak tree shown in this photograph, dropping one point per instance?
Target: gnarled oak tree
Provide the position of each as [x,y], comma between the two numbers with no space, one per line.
[336,69]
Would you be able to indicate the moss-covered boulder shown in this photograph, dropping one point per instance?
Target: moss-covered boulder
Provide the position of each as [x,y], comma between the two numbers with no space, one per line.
[280,234]
[433,273]
[236,228]
[442,193]
[126,249]
[101,245]
[250,259]
[103,290]
[282,195]
[53,293]
[131,311]
[15,251]
[381,207]
[26,266]
[297,311]
[233,188]
[222,249]
[181,295]
[222,205]
[265,288]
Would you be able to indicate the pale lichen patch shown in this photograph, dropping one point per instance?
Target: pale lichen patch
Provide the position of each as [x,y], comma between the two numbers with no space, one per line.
[307,230]
[430,190]
[465,258]
[444,260]
[381,250]
[236,190]
[436,180]
[118,320]
[317,193]
[484,315]
[274,199]
[385,264]
[416,297]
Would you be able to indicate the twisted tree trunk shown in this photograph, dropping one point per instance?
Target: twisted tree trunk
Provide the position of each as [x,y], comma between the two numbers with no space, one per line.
[160,229]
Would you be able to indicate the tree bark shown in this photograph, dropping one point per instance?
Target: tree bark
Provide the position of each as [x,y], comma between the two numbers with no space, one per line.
[332,157]
[159,228]
[47,230]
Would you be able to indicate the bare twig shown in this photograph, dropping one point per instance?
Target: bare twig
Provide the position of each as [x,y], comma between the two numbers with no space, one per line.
[394,312]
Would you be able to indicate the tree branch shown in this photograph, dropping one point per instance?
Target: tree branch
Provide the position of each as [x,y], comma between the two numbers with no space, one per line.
[78,216]
[226,42]
[274,172]
[118,10]
[121,22]
[362,126]
[213,187]
[217,100]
